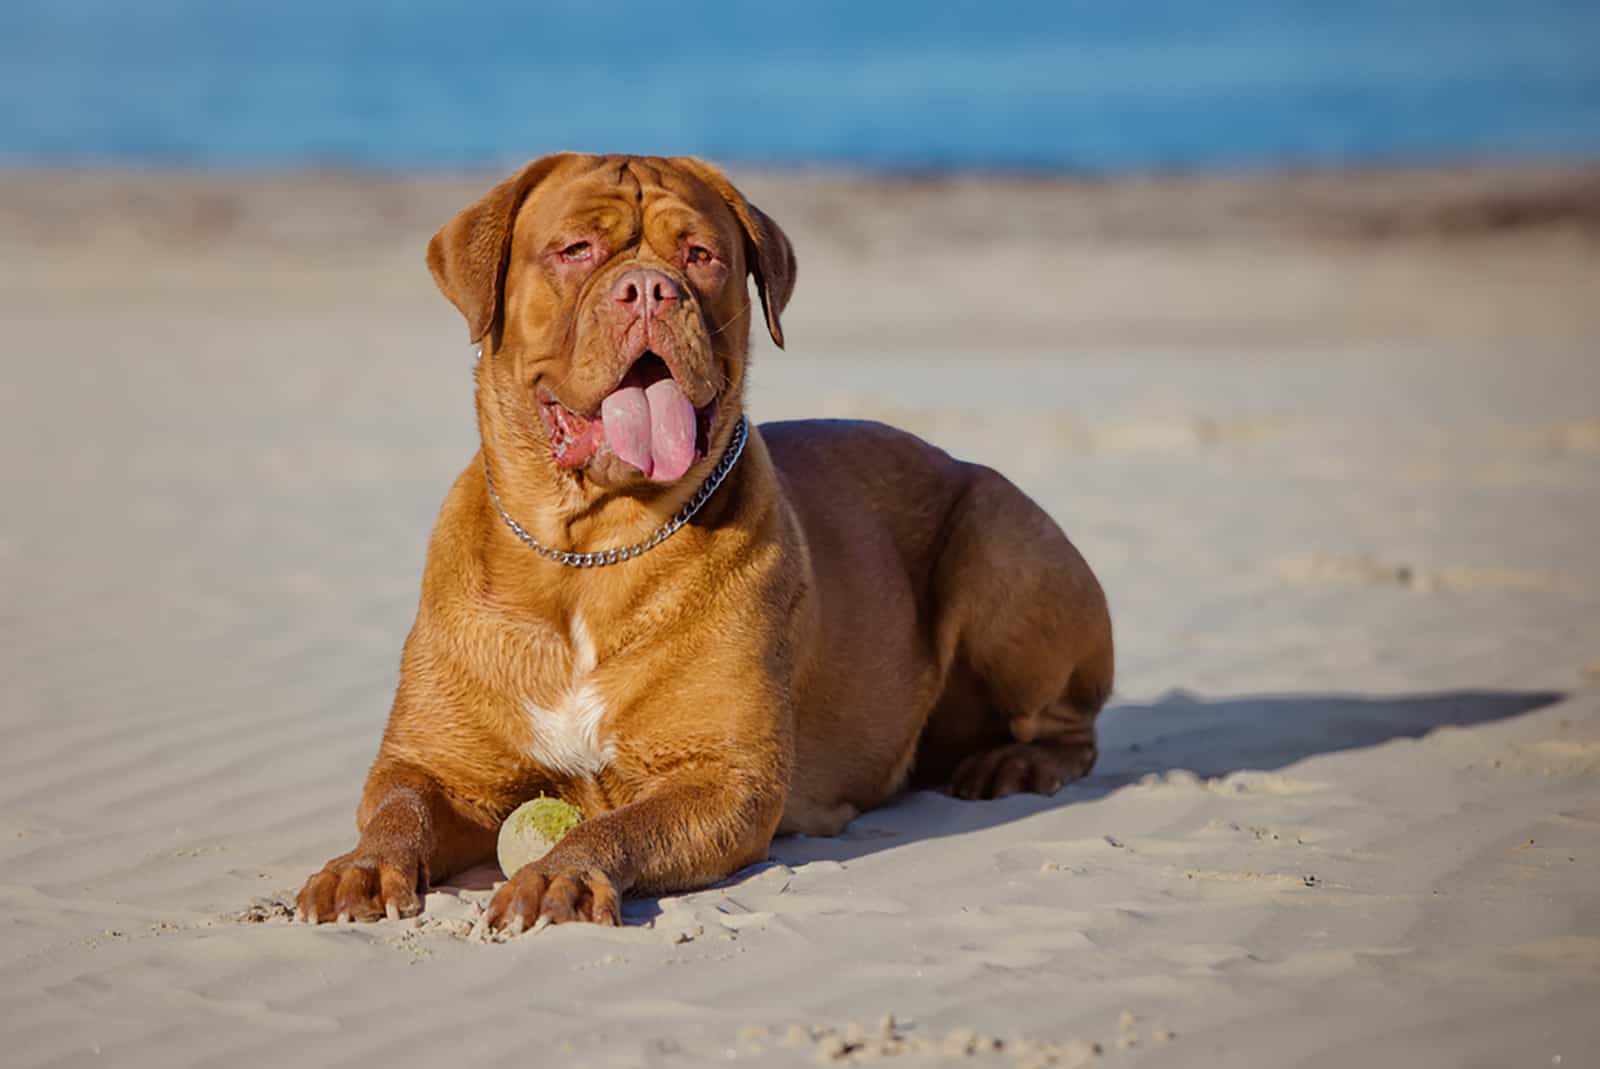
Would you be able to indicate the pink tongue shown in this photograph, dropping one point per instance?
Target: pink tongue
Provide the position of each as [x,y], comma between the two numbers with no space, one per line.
[652,428]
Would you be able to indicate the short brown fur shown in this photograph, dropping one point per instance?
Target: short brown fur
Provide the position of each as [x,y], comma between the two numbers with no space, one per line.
[852,610]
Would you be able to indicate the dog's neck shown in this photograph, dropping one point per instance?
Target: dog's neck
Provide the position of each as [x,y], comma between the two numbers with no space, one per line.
[560,511]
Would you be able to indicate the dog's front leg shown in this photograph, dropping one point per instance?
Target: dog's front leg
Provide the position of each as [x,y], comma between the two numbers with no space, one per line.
[686,832]
[410,834]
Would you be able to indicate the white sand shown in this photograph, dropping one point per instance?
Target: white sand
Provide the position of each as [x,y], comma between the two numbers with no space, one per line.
[1341,479]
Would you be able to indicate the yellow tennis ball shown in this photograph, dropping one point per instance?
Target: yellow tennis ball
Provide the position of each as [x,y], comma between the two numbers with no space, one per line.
[532,830]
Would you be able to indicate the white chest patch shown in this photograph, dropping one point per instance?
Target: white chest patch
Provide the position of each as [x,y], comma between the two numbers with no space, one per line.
[566,734]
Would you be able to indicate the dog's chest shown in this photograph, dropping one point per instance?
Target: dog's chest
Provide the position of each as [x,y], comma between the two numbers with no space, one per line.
[566,730]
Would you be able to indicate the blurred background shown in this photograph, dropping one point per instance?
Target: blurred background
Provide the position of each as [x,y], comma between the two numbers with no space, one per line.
[1048,87]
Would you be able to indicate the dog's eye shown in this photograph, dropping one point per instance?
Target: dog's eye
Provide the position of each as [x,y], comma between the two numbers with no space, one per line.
[699,254]
[578,250]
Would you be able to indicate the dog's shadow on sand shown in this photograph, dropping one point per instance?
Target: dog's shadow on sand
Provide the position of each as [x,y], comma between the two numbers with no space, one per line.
[1208,737]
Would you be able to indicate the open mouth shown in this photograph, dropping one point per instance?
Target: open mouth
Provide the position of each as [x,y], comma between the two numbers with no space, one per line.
[647,421]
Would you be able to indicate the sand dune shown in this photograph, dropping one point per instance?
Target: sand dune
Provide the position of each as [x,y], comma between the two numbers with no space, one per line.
[1339,478]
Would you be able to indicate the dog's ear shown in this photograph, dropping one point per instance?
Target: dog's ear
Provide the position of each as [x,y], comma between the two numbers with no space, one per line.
[767,249]
[469,253]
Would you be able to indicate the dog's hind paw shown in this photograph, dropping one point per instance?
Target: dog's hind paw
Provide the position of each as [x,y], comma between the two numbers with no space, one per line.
[1037,767]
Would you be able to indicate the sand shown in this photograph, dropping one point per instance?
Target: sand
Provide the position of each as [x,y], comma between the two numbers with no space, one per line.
[1331,442]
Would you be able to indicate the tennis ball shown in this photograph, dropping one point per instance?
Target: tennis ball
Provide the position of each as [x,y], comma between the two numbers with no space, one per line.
[532,829]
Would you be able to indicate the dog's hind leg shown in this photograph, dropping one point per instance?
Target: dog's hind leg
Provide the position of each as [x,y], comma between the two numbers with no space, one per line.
[1025,633]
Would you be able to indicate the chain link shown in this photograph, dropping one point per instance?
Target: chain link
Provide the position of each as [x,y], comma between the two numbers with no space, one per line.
[603,557]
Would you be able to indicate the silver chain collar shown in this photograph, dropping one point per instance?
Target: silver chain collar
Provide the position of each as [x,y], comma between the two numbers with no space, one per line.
[600,558]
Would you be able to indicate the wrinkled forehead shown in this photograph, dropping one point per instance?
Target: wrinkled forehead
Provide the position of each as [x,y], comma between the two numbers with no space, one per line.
[610,193]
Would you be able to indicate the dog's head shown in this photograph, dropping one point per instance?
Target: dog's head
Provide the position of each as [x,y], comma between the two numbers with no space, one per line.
[609,296]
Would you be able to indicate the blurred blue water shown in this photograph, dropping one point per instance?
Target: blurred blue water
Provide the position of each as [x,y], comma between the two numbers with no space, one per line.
[1099,87]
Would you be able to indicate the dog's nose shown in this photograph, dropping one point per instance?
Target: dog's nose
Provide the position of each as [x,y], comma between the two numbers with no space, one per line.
[645,292]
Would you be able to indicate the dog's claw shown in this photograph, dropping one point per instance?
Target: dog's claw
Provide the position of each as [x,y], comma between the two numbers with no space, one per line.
[571,895]
[361,887]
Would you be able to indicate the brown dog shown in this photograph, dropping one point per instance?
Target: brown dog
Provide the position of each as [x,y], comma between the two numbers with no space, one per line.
[849,611]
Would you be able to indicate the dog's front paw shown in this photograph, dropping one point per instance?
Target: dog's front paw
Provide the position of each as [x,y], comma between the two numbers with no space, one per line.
[362,886]
[554,896]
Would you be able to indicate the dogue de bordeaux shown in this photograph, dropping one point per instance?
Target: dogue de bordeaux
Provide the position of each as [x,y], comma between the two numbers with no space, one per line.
[701,632]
